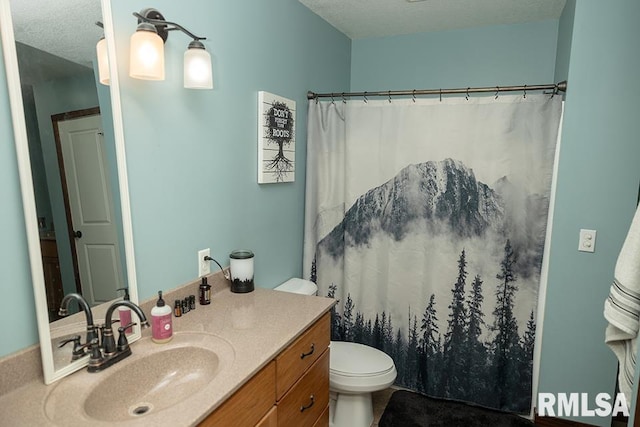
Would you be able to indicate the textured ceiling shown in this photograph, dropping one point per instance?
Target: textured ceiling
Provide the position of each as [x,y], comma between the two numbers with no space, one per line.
[380,18]
[64,28]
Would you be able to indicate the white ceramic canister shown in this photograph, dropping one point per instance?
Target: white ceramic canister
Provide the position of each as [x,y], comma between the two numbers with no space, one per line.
[241,266]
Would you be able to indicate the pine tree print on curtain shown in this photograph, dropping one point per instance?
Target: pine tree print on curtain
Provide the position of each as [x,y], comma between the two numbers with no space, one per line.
[427,220]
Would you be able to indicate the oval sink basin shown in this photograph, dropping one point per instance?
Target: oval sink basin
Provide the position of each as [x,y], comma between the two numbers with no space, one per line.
[152,383]
[154,378]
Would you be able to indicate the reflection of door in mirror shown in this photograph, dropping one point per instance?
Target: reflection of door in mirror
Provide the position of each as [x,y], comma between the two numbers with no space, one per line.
[88,204]
[56,91]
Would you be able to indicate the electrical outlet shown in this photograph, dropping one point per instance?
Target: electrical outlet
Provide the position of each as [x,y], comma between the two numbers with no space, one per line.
[204,267]
[587,241]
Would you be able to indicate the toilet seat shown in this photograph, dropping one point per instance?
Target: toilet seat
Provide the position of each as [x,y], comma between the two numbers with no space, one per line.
[357,368]
[358,360]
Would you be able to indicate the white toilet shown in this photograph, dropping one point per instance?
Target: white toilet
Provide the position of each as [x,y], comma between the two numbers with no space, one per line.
[356,370]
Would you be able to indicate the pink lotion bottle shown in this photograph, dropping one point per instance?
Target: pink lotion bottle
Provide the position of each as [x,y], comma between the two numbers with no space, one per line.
[161,321]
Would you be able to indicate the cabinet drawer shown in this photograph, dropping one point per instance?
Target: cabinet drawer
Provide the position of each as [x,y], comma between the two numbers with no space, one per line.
[248,405]
[306,401]
[301,354]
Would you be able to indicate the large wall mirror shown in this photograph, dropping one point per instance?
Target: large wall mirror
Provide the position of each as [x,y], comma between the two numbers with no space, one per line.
[70,149]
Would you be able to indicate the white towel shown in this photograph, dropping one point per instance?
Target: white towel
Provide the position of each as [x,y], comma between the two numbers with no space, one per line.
[622,308]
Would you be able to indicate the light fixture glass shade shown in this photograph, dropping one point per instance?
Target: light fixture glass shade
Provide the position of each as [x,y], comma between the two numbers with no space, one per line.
[146,54]
[197,67]
[103,62]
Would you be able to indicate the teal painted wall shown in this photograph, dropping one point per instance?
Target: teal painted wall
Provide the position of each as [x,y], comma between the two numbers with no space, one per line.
[597,188]
[192,154]
[38,172]
[565,33]
[500,55]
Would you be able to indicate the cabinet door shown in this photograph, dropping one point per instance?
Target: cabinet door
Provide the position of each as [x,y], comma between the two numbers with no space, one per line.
[306,401]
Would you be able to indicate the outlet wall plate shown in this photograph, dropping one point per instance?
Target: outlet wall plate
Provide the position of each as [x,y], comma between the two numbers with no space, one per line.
[587,242]
[204,267]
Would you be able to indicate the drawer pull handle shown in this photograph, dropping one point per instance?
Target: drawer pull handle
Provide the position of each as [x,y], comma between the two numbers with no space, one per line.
[313,348]
[304,408]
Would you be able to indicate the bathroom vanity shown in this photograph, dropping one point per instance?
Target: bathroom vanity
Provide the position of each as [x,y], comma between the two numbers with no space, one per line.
[255,359]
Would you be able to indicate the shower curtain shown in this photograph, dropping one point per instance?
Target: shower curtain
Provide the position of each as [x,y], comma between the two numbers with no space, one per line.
[426,220]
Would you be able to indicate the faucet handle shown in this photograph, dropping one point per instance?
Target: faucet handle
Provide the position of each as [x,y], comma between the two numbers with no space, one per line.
[74,339]
[78,349]
[123,343]
[96,353]
[121,329]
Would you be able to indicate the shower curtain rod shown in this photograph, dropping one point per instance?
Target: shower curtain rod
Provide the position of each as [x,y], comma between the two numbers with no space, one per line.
[556,87]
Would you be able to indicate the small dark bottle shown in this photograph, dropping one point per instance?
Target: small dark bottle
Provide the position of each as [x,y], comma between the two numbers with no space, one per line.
[205,292]
[177,309]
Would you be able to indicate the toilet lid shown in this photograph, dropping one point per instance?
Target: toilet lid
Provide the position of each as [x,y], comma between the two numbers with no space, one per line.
[357,360]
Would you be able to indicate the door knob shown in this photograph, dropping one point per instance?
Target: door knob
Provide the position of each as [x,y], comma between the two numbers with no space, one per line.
[77,234]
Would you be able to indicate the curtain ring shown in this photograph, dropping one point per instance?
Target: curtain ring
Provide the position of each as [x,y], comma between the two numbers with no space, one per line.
[365,97]
[525,92]
[440,95]
[344,101]
[414,95]
[389,93]
[467,95]
[497,91]
[332,101]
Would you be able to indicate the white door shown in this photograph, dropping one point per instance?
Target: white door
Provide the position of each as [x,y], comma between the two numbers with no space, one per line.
[91,204]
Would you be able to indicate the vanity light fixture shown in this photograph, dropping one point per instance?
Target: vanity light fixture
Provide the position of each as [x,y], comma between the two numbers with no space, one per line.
[146,59]
[103,59]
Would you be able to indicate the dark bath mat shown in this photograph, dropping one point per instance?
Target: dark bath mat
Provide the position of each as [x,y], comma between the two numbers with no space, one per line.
[409,409]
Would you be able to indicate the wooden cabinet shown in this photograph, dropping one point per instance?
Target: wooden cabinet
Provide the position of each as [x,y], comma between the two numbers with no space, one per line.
[52,277]
[292,390]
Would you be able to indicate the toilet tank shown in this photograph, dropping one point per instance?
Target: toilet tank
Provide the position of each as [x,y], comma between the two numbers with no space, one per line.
[298,286]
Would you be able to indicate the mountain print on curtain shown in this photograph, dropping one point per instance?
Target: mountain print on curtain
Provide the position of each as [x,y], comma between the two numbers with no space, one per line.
[427,222]
[470,355]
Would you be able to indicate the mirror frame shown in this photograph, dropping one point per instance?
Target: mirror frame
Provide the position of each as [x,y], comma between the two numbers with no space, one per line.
[27,192]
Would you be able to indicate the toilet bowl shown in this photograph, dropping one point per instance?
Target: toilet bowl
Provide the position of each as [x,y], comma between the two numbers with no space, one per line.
[355,371]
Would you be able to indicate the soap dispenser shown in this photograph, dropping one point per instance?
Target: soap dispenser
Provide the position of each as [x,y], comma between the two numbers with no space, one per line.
[161,322]
[124,314]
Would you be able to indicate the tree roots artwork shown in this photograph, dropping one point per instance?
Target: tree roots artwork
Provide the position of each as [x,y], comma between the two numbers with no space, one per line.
[279,130]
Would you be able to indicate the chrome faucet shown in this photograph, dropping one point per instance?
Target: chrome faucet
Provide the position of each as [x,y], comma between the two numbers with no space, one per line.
[84,305]
[108,353]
